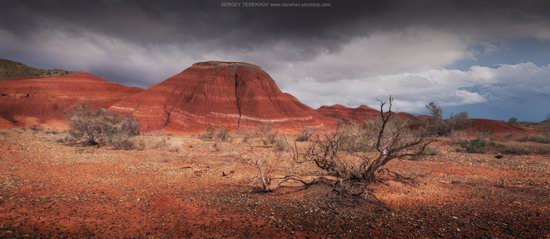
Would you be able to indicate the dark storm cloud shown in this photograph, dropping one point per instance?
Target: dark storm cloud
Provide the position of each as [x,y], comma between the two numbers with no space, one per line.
[358,46]
[157,22]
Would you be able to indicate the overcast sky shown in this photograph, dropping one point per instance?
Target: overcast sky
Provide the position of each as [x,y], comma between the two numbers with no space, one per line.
[491,58]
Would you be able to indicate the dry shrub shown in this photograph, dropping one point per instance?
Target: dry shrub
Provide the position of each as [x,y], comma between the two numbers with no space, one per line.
[266,164]
[436,125]
[245,135]
[537,138]
[159,143]
[216,133]
[303,136]
[166,143]
[339,159]
[102,128]
[280,143]
[459,121]
[265,129]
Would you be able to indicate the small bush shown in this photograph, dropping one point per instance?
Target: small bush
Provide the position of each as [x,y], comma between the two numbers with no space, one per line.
[269,139]
[474,146]
[217,133]
[428,151]
[102,128]
[245,135]
[280,143]
[303,137]
[431,151]
[36,128]
[543,150]
[459,121]
[483,146]
[222,134]
[436,126]
[265,129]
[542,139]
[214,147]
[512,149]
[127,144]
[159,143]
[513,121]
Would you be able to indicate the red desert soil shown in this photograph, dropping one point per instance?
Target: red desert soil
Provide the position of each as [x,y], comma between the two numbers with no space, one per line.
[44,101]
[49,189]
[233,94]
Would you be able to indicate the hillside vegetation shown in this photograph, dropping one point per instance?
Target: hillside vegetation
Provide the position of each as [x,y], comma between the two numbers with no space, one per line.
[15,70]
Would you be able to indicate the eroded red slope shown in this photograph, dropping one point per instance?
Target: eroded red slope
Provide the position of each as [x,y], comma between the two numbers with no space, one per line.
[44,101]
[232,94]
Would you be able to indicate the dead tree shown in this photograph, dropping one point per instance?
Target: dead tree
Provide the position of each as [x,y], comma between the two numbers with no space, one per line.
[394,139]
[347,172]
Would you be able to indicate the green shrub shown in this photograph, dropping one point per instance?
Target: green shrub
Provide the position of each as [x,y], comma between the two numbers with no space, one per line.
[474,146]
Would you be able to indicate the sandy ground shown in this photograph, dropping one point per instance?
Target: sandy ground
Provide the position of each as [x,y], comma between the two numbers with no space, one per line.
[48,189]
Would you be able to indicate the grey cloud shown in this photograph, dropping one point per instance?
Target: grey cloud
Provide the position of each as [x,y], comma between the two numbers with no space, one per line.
[377,47]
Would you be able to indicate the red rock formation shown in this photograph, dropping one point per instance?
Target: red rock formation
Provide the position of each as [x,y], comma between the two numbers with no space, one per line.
[232,94]
[493,126]
[340,112]
[44,101]
[357,115]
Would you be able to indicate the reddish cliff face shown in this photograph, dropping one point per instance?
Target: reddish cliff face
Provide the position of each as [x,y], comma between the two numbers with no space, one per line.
[44,101]
[232,94]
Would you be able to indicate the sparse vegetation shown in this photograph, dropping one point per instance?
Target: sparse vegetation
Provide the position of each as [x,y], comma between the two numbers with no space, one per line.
[394,139]
[474,146]
[280,143]
[102,128]
[459,121]
[265,165]
[216,133]
[484,146]
[304,136]
[513,121]
[13,70]
[537,138]
[428,151]
[436,126]
[346,171]
[269,139]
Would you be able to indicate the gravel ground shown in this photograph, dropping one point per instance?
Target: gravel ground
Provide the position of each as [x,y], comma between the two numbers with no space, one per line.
[178,186]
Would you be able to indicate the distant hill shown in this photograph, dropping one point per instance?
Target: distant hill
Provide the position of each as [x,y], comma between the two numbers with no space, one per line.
[15,70]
